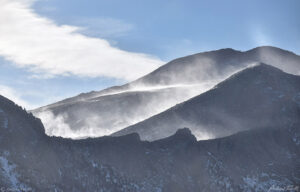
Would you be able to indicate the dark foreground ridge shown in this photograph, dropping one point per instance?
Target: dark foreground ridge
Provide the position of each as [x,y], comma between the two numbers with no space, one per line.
[255,160]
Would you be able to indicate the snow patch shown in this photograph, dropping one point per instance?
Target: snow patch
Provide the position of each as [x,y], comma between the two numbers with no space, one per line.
[264,182]
[218,180]
[8,171]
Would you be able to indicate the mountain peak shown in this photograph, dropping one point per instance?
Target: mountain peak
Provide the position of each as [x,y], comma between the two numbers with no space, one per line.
[260,95]
[33,125]
[255,72]
[263,67]
[267,47]
[184,133]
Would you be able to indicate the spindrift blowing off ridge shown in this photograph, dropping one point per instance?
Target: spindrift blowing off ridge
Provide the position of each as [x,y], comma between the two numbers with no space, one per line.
[149,96]
[253,116]
[113,109]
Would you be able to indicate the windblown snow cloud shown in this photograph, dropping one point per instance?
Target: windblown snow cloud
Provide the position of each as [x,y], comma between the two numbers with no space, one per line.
[259,36]
[38,43]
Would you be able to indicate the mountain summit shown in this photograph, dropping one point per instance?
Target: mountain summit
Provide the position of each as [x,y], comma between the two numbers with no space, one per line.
[259,96]
[104,112]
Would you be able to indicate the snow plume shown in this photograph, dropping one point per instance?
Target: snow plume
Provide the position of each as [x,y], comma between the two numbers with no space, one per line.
[202,135]
[109,113]
[56,125]
[286,61]
[48,49]
[104,113]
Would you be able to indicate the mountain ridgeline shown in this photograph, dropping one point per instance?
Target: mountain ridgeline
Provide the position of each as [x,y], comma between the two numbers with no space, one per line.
[257,160]
[104,112]
[258,96]
[223,120]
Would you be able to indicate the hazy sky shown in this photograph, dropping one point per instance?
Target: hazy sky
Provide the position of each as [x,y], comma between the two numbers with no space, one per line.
[52,49]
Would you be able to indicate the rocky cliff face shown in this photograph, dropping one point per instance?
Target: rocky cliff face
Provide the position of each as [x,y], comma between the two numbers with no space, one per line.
[256,160]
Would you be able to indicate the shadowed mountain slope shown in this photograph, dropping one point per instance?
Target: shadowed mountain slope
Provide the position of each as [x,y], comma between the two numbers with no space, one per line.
[254,160]
[107,111]
[259,96]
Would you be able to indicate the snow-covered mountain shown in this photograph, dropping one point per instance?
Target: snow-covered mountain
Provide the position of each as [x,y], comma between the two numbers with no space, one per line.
[258,96]
[107,111]
[265,159]
[219,64]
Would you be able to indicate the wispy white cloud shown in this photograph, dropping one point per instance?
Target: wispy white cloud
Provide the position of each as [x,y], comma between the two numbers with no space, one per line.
[104,27]
[43,46]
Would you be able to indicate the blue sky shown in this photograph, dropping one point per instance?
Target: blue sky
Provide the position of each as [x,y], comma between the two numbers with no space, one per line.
[52,49]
